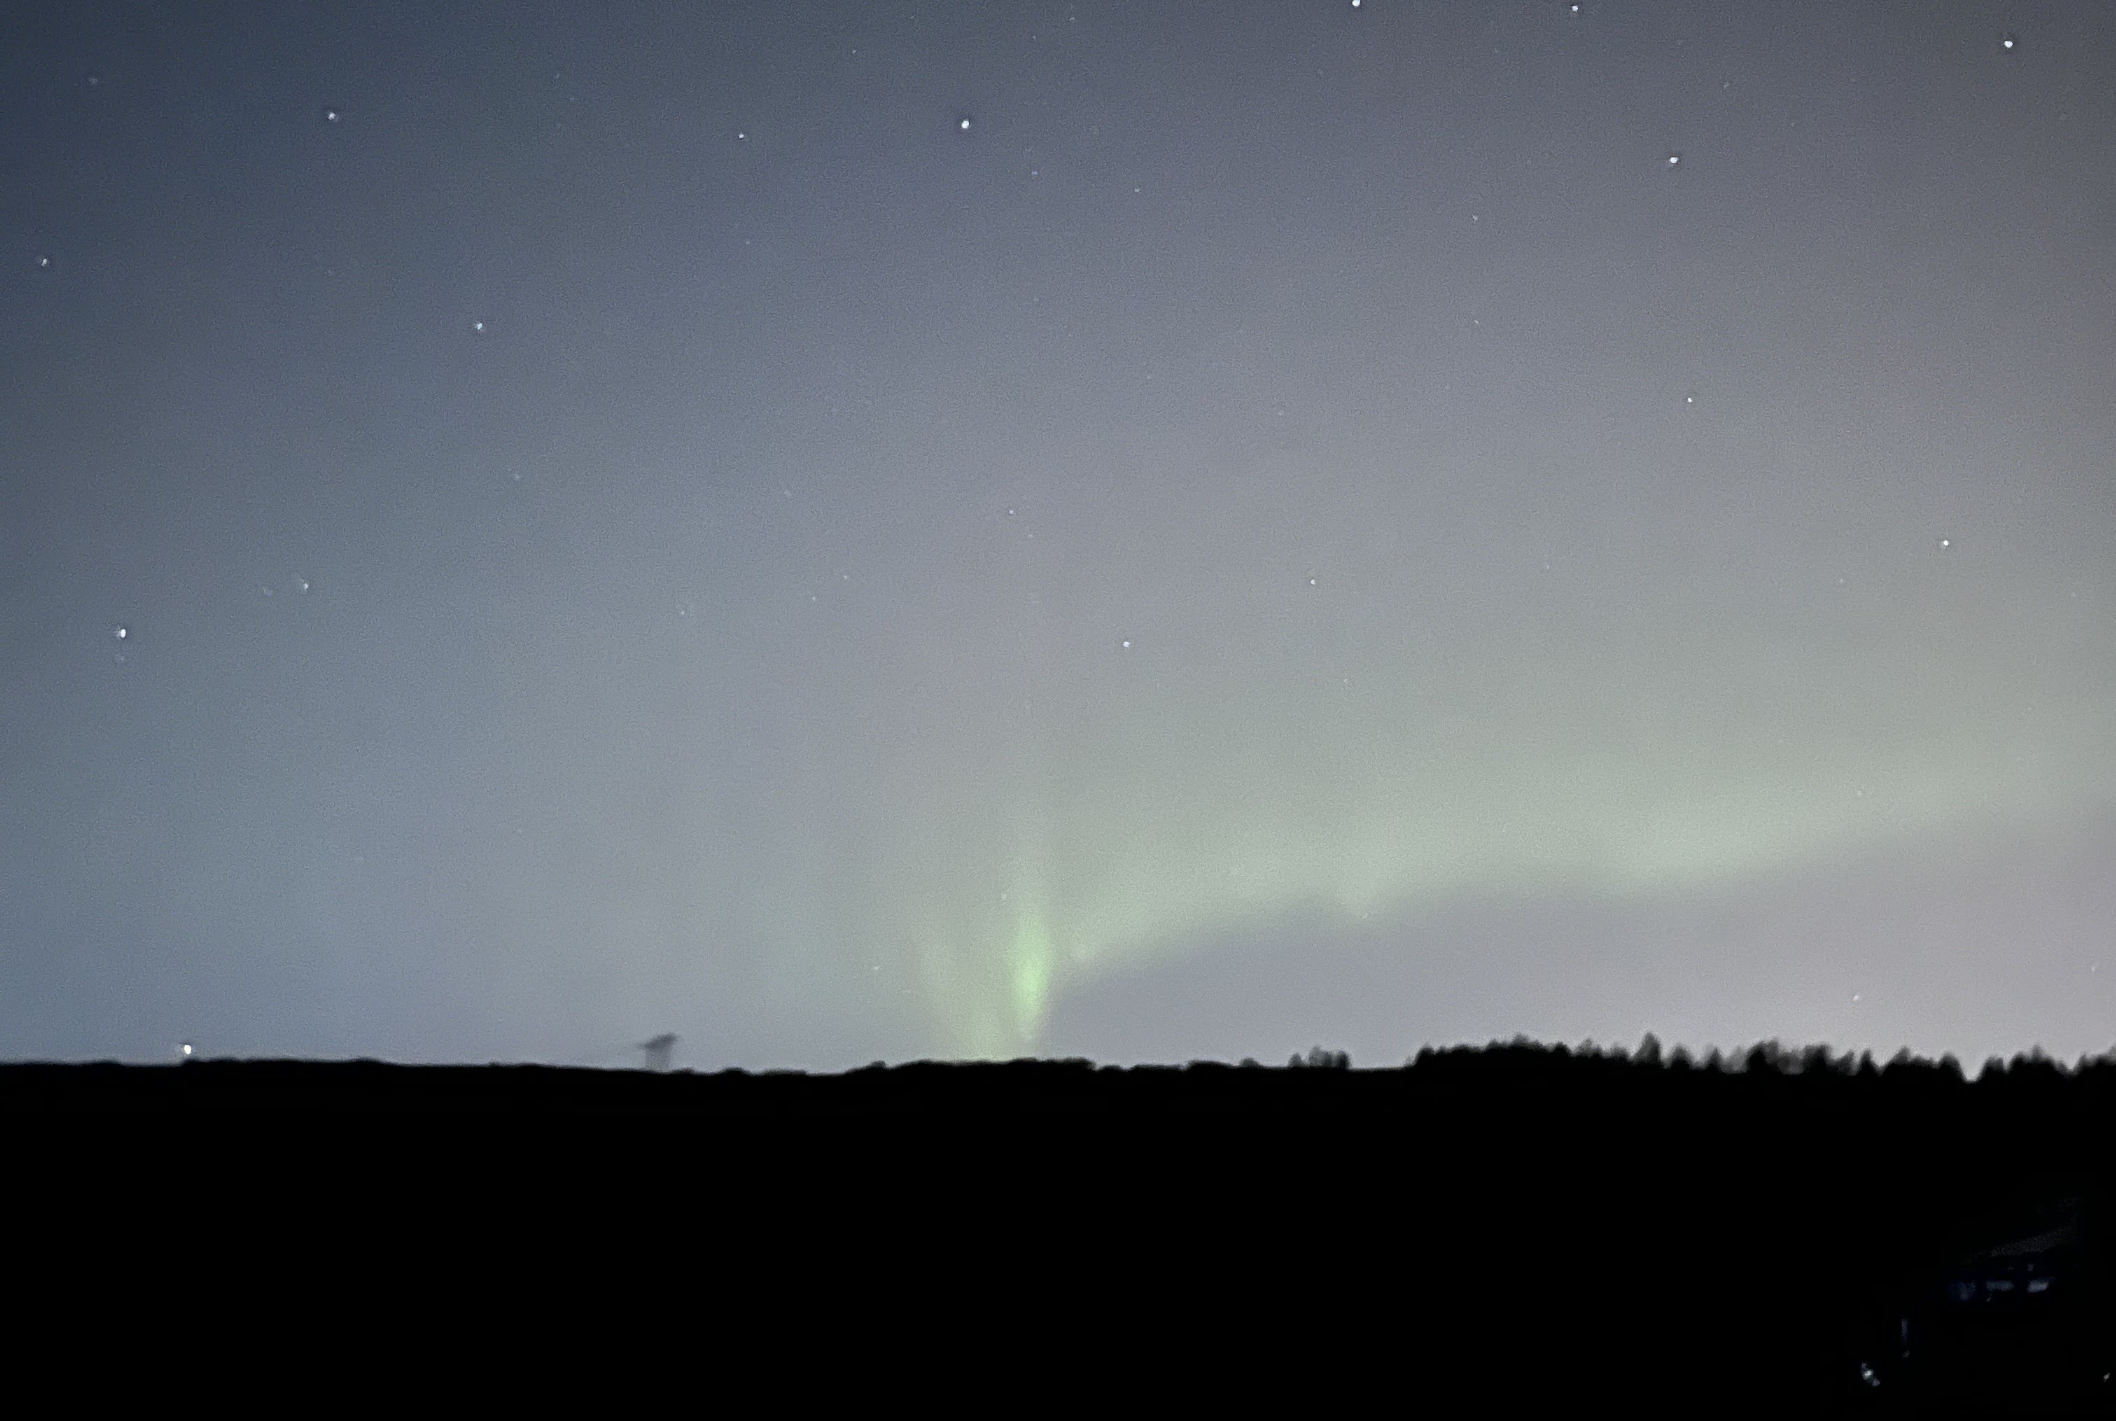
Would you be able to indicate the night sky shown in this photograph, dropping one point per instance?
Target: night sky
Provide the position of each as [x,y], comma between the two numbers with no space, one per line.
[1143,530]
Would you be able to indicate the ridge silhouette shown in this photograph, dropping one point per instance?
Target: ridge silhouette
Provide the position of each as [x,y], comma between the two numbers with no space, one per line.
[1798,1229]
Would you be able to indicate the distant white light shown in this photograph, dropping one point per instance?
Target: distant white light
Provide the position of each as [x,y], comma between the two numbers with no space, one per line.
[1125,644]
[1855,996]
[965,125]
[742,135]
[121,633]
[1946,543]
[1675,160]
[302,583]
[1355,4]
[477,325]
[185,1048]
[43,261]
[2005,42]
[1311,582]
[330,115]
[1689,399]
[1575,9]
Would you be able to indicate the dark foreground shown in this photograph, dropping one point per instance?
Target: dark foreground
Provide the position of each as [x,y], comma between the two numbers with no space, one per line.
[1518,1224]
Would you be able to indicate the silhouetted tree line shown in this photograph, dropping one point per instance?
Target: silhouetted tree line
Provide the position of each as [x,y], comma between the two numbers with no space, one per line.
[1772,1227]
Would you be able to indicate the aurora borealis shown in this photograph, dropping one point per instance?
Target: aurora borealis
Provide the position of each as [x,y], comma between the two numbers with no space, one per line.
[1298,524]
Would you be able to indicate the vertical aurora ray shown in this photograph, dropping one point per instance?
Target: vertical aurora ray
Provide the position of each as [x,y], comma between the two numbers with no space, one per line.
[1030,963]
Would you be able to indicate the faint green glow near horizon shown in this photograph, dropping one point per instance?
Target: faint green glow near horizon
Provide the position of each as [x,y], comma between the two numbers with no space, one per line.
[1173,828]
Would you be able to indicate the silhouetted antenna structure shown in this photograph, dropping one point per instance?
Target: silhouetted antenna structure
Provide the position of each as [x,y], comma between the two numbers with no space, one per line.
[659,1050]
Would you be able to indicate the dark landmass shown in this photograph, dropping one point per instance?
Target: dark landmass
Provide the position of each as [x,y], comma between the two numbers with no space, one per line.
[1780,1230]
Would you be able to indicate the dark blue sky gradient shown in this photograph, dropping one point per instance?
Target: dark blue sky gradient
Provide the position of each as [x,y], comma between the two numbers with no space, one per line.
[1298,524]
